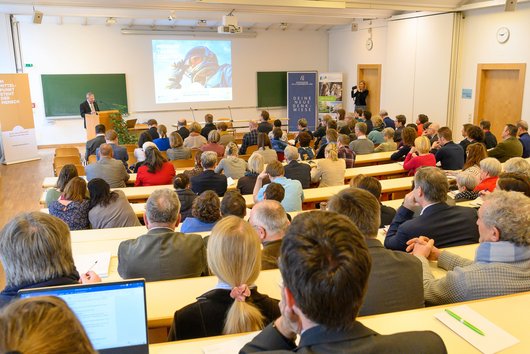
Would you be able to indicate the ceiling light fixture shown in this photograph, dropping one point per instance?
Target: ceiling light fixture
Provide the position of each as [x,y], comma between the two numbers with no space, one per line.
[337,4]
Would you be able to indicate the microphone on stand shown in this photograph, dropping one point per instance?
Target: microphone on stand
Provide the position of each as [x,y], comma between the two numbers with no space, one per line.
[193,114]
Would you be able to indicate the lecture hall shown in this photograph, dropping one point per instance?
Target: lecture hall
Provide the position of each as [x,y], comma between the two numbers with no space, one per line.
[236,176]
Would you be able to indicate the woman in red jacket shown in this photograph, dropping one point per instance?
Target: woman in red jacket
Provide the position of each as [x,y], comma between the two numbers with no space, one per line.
[155,171]
[419,155]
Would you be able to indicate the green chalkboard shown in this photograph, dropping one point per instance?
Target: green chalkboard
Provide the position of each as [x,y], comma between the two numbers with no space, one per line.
[272,89]
[64,93]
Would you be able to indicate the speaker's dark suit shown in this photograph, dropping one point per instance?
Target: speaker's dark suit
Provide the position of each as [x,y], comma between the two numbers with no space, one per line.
[84,108]
[447,225]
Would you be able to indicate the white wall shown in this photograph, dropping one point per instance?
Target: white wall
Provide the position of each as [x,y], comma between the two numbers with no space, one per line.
[64,49]
[415,55]
[7,60]
[480,46]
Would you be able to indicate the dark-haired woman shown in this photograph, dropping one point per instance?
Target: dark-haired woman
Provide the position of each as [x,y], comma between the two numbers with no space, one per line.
[155,171]
[139,152]
[67,173]
[182,186]
[109,209]
[205,211]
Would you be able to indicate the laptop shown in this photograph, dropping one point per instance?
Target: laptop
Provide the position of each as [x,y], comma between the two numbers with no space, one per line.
[113,314]
[131,123]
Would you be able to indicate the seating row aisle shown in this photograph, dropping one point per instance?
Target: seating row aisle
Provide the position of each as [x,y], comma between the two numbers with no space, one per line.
[507,312]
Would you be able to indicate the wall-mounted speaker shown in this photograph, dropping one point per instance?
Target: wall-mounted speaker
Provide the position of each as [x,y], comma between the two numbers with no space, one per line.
[510,5]
[37,17]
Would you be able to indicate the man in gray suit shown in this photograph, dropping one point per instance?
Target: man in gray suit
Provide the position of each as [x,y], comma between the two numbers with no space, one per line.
[395,282]
[325,266]
[108,169]
[162,253]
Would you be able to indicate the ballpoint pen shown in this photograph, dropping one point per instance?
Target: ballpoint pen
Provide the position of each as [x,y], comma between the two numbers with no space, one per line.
[464,322]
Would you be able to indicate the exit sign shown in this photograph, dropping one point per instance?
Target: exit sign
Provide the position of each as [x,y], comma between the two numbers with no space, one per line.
[29,65]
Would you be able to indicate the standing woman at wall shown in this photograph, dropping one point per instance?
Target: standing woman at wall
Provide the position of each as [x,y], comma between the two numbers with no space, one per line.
[359,94]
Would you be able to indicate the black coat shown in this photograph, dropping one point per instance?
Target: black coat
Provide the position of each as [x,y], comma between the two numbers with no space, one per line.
[84,108]
[209,180]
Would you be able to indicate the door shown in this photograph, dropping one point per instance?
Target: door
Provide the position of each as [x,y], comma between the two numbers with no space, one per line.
[371,74]
[499,99]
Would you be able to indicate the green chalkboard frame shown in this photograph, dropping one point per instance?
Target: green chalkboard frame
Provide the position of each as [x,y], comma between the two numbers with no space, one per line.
[272,89]
[64,93]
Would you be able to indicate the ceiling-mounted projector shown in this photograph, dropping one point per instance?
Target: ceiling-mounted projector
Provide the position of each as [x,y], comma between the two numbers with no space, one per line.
[229,26]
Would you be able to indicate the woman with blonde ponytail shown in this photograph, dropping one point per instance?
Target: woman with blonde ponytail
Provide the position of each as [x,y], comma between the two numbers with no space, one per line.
[330,170]
[234,306]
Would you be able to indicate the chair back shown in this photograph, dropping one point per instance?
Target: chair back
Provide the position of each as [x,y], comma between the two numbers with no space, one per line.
[179,164]
[66,151]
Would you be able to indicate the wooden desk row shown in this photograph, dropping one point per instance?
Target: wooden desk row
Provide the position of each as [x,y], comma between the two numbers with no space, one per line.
[503,311]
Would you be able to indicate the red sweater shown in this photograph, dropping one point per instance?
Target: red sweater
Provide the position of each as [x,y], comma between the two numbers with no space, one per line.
[164,176]
[488,184]
[413,163]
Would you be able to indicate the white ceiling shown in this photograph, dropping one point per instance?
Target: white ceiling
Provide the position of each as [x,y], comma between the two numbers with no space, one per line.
[296,14]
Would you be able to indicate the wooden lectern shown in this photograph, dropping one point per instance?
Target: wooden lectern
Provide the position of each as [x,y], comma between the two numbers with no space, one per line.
[103,117]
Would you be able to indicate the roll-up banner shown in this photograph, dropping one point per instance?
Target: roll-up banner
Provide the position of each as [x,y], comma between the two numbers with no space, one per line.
[329,94]
[19,143]
[302,98]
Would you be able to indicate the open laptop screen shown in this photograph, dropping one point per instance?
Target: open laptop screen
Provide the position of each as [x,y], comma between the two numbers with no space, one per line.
[113,314]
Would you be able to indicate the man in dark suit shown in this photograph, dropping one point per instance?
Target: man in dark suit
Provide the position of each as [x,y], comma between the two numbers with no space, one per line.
[489,139]
[396,278]
[152,126]
[208,179]
[447,225]
[208,127]
[295,169]
[93,144]
[90,106]
[182,129]
[108,169]
[118,152]
[325,266]
[264,125]
[450,155]
[162,253]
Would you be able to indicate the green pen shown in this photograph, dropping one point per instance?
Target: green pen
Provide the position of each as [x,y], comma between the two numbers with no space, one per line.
[464,322]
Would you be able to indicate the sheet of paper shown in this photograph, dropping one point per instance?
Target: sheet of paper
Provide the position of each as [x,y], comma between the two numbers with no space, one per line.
[231,346]
[495,338]
[85,262]
[230,181]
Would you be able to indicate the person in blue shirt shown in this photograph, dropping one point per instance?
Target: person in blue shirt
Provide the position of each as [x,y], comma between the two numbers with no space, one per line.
[205,213]
[524,138]
[162,143]
[277,143]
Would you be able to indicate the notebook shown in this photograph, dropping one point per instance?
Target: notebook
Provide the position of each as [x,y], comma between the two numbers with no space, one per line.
[113,314]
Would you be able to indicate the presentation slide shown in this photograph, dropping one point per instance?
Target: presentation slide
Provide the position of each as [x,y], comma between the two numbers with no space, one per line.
[192,70]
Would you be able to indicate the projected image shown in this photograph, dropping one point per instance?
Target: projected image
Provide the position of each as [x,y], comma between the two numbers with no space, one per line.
[192,70]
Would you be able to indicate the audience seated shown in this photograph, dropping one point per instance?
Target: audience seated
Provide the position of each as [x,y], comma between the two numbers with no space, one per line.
[408,136]
[208,179]
[93,144]
[524,138]
[197,168]
[277,143]
[250,138]
[35,251]
[344,151]
[162,143]
[264,125]
[182,129]
[152,126]
[366,118]
[450,155]
[466,182]
[205,213]
[489,139]
[231,165]
[389,122]
[474,135]
[162,253]
[388,144]
[476,152]
[395,282]
[213,144]
[372,185]
[67,173]
[419,156]
[320,132]
[517,165]
[43,325]
[73,205]
[490,169]
[177,150]
[181,183]
[294,193]
[422,119]
[296,170]
[155,171]
[509,147]
[195,140]
[233,203]
[465,142]
[376,135]
[302,128]
[265,149]
[110,170]
[274,191]
[278,124]
[306,152]
[511,181]
[234,305]
[331,138]
[430,130]
[209,126]
[329,171]
[447,225]
[146,145]
[139,152]
[270,221]
[246,184]
[118,152]
[226,137]
[361,145]
[502,260]
[401,121]
[325,266]
[109,209]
